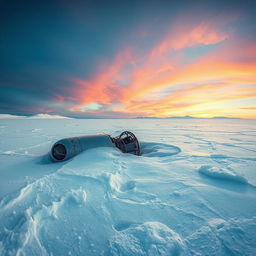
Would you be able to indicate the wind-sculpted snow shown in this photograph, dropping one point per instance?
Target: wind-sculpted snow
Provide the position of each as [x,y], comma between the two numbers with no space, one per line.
[149,238]
[220,237]
[158,149]
[191,192]
[222,174]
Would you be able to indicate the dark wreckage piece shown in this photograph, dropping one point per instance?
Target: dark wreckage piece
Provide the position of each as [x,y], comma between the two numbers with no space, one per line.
[67,148]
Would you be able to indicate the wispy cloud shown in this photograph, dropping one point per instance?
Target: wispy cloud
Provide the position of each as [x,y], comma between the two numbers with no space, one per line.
[164,81]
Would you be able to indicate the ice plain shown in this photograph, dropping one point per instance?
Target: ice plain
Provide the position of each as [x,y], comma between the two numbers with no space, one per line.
[191,192]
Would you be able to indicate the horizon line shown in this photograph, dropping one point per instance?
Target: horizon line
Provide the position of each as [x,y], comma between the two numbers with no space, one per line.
[113,117]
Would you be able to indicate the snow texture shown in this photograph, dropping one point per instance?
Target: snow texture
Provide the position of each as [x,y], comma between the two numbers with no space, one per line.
[191,192]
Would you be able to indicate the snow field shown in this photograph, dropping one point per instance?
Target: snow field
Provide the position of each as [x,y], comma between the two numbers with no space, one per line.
[192,192]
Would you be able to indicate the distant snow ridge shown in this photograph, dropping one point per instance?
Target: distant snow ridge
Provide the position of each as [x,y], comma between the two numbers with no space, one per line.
[7,116]
[47,116]
[222,173]
[37,116]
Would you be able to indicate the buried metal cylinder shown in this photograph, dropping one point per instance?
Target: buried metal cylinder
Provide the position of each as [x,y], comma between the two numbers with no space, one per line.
[66,148]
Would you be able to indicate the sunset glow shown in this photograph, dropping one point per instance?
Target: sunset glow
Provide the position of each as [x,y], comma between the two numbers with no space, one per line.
[200,70]
[198,62]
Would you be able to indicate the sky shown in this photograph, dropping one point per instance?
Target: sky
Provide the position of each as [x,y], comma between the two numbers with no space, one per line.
[125,59]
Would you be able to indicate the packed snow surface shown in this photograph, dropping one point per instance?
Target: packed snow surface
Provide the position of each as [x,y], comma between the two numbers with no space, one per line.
[191,192]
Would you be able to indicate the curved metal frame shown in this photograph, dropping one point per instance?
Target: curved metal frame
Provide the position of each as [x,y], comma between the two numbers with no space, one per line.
[126,138]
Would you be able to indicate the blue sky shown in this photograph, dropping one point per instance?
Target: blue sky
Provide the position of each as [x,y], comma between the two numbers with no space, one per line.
[107,58]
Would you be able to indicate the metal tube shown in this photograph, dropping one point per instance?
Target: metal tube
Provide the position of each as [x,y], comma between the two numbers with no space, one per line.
[66,148]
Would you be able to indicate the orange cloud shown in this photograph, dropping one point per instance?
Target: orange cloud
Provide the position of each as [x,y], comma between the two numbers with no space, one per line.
[162,82]
[186,36]
[249,108]
[103,87]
